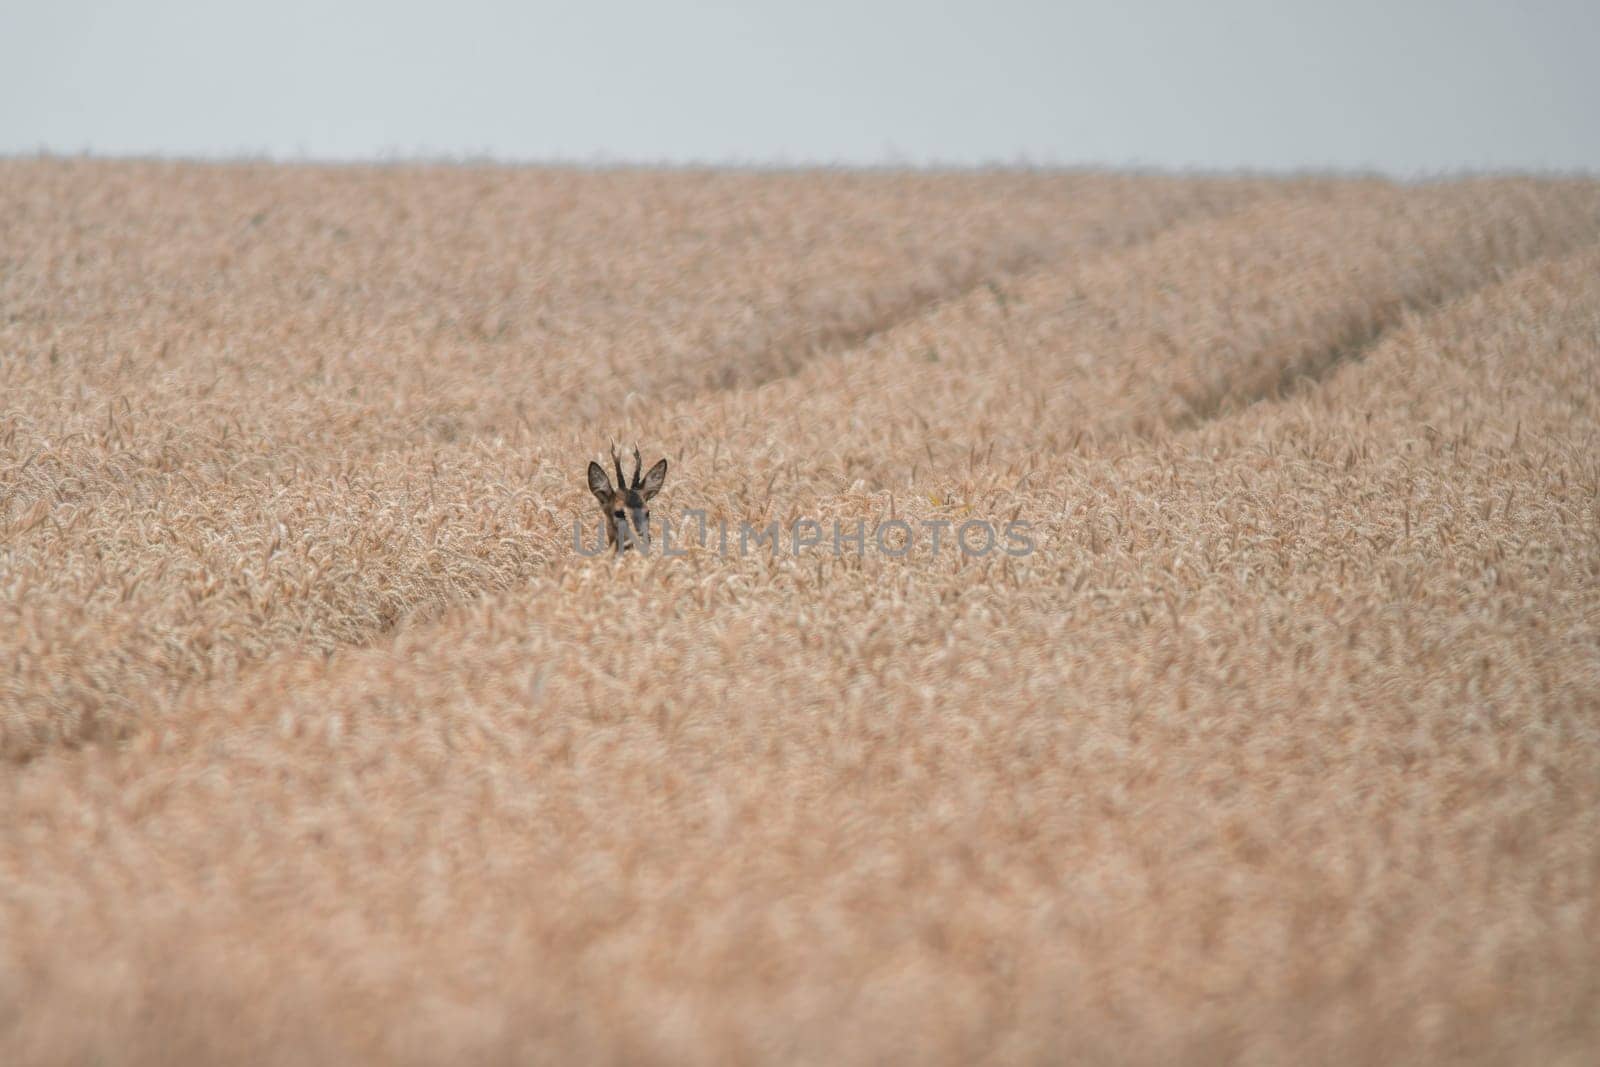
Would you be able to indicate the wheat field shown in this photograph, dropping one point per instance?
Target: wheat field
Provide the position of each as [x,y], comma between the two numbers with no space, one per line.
[322,742]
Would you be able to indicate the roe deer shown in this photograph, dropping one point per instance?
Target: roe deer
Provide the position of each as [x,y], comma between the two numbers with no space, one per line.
[626,508]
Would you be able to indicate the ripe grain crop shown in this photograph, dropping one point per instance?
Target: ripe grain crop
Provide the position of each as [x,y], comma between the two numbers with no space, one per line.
[325,745]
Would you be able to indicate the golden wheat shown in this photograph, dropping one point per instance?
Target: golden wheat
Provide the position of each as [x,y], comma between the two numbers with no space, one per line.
[326,744]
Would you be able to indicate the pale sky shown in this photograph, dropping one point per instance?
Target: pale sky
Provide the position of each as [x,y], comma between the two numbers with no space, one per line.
[1406,87]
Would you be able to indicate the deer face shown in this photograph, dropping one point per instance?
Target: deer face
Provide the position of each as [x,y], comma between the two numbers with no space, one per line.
[627,507]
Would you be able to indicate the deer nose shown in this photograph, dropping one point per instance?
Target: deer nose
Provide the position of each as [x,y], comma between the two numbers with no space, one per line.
[631,536]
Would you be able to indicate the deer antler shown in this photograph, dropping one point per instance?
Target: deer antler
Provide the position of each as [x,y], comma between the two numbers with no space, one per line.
[638,464]
[616,461]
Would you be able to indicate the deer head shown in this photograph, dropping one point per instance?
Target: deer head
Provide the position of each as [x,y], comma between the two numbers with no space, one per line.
[627,507]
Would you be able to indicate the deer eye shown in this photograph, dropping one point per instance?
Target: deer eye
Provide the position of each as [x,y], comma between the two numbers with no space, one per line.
[618,514]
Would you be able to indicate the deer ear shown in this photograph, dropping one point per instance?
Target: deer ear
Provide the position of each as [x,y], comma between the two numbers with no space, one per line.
[599,484]
[652,481]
